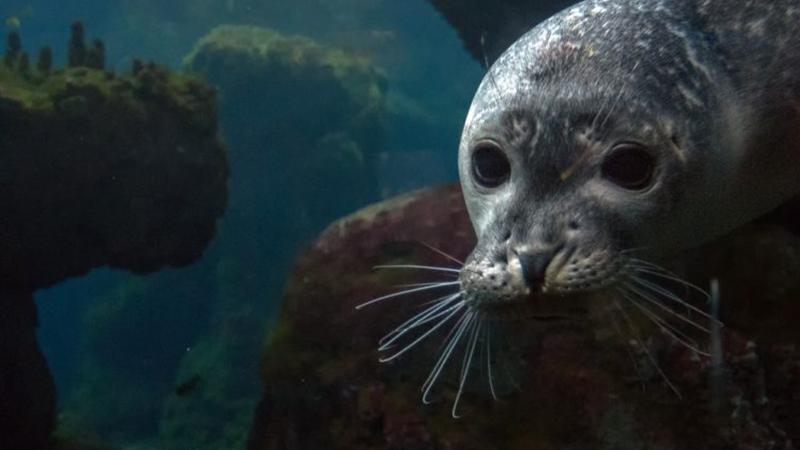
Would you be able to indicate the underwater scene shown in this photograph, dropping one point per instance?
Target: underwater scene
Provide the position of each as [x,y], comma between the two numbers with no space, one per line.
[400,225]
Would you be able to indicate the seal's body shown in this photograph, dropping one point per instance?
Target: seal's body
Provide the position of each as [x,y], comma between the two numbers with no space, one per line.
[623,126]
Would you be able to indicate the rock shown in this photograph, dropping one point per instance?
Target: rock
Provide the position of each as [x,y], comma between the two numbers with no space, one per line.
[307,118]
[27,391]
[581,385]
[293,113]
[124,172]
[96,170]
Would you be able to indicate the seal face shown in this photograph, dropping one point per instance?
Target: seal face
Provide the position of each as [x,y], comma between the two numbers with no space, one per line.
[611,135]
[624,128]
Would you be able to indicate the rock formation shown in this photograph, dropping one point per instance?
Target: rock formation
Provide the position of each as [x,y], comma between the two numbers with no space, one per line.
[585,385]
[96,169]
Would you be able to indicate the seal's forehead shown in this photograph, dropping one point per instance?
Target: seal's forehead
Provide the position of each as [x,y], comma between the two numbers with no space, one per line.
[540,57]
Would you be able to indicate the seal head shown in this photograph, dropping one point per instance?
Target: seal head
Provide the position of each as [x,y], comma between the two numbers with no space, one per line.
[614,128]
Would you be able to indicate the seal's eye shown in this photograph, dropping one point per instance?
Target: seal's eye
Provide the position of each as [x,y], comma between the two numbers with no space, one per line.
[629,166]
[490,167]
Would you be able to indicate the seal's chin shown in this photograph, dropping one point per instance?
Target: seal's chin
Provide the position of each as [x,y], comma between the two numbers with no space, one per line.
[537,307]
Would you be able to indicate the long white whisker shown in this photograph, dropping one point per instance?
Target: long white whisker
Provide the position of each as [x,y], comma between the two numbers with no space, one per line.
[489,374]
[471,329]
[671,296]
[469,353]
[428,283]
[418,267]
[632,250]
[449,334]
[718,360]
[416,341]
[434,249]
[617,100]
[674,333]
[652,269]
[454,338]
[646,296]
[659,320]
[444,306]
[636,365]
[650,357]
[406,292]
[597,115]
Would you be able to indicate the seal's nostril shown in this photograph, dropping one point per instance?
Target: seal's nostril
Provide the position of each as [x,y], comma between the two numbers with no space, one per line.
[534,264]
[534,267]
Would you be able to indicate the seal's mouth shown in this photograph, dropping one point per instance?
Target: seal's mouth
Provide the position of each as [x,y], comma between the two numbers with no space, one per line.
[551,310]
[471,303]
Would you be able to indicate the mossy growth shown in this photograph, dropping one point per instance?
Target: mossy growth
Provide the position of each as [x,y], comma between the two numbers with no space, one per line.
[302,107]
[135,175]
[212,403]
[213,414]
[253,49]
[136,335]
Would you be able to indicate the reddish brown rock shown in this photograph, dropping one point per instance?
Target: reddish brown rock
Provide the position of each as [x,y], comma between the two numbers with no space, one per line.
[581,385]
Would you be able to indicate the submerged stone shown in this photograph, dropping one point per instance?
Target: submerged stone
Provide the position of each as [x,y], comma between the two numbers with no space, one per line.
[581,385]
[96,170]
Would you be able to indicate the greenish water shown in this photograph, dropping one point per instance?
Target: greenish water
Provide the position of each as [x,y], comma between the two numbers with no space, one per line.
[119,344]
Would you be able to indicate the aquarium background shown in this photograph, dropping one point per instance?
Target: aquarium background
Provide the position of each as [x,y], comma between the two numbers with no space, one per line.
[170,359]
[193,209]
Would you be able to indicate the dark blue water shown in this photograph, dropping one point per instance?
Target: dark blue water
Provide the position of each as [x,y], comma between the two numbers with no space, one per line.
[119,344]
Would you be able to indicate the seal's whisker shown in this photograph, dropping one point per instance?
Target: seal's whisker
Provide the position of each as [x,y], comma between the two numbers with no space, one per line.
[452,340]
[662,323]
[656,270]
[638,339]
[426,316]
[473,323]
[455,309]
[406,292]
[666,276]
[618,329]
[469,352]
[628,251]
[667,328]
[441,252]
[597,115]
[488,348]
[671,296]
[619,96]
[427,283]
[436,300]
[650,299]
[418,267]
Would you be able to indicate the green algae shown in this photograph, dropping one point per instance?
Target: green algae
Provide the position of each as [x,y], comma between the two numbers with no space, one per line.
[44,93]
[264,47]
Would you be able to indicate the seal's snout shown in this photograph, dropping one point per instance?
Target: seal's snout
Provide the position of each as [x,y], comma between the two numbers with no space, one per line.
[533,264]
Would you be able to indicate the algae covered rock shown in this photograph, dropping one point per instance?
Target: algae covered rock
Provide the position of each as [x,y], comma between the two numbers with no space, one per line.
[125,373]
[212,404]
[97,169]
[105,170]
[308,120]
[27,390]
[583,385]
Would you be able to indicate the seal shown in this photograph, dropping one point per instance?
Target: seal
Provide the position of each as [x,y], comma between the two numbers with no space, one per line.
[612,135]
[621,127]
